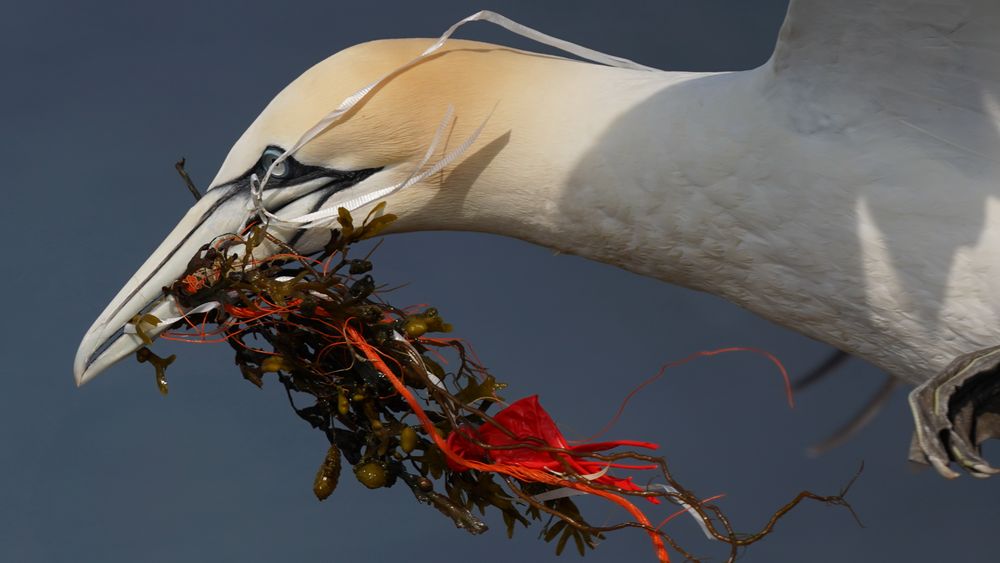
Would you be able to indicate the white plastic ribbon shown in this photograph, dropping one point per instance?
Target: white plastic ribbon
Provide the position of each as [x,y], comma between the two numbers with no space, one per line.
[687,507]
[564,492]
[330,119]
[433,378]
[130,328]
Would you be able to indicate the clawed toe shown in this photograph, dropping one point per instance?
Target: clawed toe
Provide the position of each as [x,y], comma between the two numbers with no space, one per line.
[956,412]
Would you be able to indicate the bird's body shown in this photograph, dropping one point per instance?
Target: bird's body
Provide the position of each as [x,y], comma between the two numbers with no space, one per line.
[835,220]
[847,189]
[832,219]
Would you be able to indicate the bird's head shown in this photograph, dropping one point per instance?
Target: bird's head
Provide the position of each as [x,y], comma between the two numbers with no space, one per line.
[377,143]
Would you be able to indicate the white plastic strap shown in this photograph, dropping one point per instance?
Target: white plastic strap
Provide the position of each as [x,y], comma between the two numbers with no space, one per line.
[687,507]
[564,492]
[130,328]
[354,99]
[434,379]
[535,35]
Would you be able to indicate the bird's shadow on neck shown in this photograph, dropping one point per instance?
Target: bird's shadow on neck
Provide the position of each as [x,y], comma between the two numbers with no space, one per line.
[459,181]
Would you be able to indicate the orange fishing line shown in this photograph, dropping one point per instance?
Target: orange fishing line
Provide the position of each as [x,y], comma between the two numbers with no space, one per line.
[450,341]
[696,355]
[522,473]
[683,510]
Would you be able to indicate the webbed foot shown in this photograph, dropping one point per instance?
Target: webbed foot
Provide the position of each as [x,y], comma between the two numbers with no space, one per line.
[956,412]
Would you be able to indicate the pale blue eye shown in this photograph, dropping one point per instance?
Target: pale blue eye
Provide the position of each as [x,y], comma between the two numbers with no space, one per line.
[268,158]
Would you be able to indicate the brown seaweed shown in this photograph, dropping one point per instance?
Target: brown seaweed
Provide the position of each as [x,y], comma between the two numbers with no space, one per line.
[285,315]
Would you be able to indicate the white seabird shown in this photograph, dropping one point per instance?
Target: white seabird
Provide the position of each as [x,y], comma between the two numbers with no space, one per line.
[848,189]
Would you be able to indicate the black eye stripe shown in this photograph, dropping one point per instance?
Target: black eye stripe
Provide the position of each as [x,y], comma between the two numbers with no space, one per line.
[331,187]
[296,173]
[293,169]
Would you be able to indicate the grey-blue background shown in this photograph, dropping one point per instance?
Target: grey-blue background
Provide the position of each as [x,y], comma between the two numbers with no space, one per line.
[99,99]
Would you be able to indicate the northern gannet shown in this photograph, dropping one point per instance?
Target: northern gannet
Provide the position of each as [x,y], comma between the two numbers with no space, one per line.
[848,189]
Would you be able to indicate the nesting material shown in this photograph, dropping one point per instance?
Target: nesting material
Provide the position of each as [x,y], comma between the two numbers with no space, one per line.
[401,402]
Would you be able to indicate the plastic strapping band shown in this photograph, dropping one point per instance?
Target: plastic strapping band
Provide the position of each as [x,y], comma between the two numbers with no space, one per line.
[257,187]
[130,328]
[564,492]
[433,378]
[687,507]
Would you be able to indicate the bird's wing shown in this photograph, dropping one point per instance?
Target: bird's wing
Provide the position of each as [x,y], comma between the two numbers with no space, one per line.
[931,67]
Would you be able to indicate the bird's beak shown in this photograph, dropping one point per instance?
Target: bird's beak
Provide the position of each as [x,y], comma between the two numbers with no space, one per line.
[222,210]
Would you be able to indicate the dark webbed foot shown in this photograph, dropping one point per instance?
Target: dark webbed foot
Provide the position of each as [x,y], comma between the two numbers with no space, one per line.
[956,412]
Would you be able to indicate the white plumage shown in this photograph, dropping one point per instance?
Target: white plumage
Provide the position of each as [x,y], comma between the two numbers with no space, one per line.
[847,189]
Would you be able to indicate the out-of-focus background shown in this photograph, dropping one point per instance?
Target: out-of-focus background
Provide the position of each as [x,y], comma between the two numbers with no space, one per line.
[100,99]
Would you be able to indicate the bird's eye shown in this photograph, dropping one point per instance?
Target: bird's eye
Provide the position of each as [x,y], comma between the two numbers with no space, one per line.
[267,159]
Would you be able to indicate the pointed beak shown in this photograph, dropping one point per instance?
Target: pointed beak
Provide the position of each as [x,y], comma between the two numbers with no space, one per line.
[222,210]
